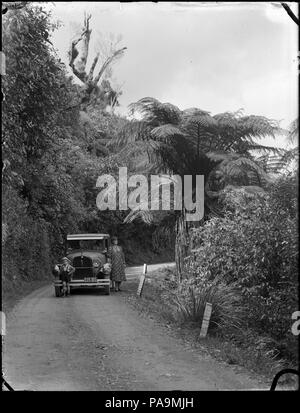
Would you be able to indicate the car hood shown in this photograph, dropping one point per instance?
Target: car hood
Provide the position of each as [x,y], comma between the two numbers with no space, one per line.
[94,255]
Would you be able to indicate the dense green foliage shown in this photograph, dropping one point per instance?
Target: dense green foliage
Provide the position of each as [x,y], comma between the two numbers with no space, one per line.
[52,153]
[38,194]
[254,248]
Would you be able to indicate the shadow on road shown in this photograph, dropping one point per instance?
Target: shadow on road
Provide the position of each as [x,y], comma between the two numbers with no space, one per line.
[88,291]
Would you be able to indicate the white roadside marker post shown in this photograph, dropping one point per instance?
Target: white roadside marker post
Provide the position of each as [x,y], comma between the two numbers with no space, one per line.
[142,281]
[205,321]
[2,64]
[3,324]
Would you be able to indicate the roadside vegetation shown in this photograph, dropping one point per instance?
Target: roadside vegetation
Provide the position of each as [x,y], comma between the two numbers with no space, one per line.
[59,136]
[245,263]
[240,346]
[56,143]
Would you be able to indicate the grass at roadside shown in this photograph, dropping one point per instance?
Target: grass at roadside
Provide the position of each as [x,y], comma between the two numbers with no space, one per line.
[11,296]
[242,352]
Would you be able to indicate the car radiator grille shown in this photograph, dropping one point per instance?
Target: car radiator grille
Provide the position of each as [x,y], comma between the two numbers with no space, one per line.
[83,268]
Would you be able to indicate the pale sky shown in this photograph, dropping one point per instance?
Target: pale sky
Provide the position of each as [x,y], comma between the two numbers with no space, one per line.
[217,57]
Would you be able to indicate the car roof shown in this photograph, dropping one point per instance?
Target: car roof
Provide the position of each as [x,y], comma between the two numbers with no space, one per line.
[86,236]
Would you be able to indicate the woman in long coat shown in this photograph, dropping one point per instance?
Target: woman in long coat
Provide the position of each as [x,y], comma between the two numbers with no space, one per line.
[118,264]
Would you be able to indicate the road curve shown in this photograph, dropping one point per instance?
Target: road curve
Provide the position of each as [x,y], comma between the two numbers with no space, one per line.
[90,341]
[135,272]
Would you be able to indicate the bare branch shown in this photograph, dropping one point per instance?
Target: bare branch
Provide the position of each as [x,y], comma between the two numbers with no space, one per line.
[91,73]
[108,61]
[78,56]
[86,39]
[78,59]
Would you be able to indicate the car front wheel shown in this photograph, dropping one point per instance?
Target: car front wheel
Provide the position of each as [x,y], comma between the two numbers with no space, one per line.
[57,291]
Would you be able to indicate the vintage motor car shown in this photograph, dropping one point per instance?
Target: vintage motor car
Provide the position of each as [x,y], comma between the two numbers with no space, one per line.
[88,255]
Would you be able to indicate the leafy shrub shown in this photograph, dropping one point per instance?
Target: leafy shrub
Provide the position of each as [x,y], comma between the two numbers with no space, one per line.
[255,248]
[26,249]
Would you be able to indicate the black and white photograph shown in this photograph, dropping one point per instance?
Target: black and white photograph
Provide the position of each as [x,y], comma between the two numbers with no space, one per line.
[150,239]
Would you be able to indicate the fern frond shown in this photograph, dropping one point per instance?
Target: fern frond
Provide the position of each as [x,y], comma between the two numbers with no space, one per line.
[293,133]
[166,133]
[264,148]
[133,131]
[278,162]
[234,166]
[143,215]
[156,113]
[259,127]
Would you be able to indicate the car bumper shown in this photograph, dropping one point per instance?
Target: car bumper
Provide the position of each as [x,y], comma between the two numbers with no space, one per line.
[85,284]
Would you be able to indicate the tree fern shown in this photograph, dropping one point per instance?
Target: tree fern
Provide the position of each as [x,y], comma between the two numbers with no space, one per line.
[190,142]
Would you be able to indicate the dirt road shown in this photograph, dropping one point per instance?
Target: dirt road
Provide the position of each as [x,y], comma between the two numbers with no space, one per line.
[90,341]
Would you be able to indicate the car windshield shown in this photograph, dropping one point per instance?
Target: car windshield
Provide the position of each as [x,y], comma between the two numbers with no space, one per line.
[94,245]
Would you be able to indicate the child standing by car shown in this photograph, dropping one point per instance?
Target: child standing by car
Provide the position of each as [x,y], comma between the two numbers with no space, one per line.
[66,271]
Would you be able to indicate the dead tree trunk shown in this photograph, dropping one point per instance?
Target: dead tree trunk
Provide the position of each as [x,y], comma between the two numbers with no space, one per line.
[181,243]
[78,56]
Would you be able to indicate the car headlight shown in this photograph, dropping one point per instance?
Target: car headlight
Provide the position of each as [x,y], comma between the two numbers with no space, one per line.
[96,264]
